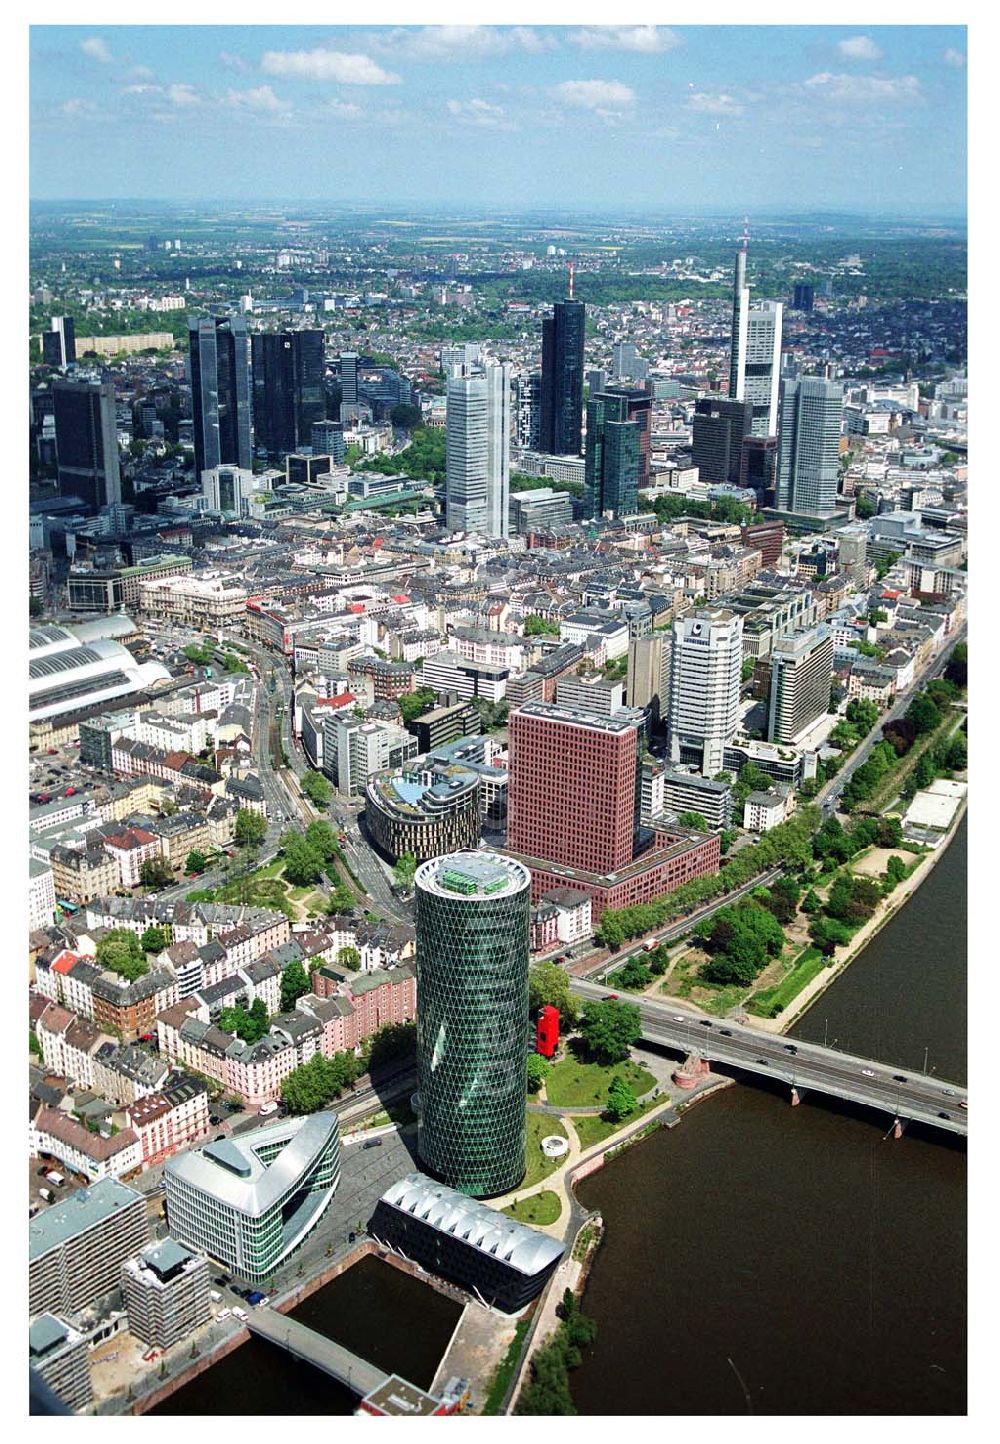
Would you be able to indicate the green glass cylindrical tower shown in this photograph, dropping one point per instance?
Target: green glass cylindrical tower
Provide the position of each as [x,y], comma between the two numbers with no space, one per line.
[472,1019]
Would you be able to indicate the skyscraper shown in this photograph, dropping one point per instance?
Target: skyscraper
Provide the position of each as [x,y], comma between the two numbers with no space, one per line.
[755,352]
[288,392]
[477,451]
[717,433]
[801,676]
[762,369]
[626,363]
[648,678]
[473,913]
[704,708]
[59,342]
[87,442]
[809,446]
[221,392]
[561,418]
[574,786]
[617,455]
[527,409]
[803,297]
[348,385]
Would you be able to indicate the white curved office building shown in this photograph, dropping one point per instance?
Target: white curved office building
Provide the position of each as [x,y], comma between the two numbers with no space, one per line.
[251,1201]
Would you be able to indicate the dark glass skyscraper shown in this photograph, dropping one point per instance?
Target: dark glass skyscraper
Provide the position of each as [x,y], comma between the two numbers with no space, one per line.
[288,395]
[717,432]
[561,413]
[221,390]
[472,1019]
[87,442]
[59,343]
[614,455]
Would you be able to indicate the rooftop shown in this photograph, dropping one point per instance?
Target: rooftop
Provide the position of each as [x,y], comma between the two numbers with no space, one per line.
[74,1215]
[473,875]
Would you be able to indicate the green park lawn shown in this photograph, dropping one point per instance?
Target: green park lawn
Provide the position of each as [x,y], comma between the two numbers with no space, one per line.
[593,1128]
[540,1209]
[572,1083]
[540,1125]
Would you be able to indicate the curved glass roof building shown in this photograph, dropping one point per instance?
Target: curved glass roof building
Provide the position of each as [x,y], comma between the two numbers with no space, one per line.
[472,1019]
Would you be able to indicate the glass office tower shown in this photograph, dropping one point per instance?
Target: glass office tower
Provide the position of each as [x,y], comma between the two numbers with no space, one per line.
[472,1019]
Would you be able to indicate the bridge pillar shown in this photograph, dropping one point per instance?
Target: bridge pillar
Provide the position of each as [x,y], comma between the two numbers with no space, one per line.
[797,1095]
[898,1124]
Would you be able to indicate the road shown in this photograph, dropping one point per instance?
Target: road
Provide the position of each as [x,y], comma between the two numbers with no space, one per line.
[922,1098]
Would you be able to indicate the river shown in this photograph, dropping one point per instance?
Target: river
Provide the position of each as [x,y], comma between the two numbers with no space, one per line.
[766,1259]
[384,1315]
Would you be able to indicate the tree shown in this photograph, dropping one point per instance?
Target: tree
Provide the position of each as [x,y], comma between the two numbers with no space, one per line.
[196,861]
[349,958]
[900,734]
[923,714]
[747,933]
[811,902]
[863,714]
[35,606]
[320,837]
[692,819]
[294,983]
[888,832]
[250,828]
[746,670]
[535,626]
[955,755]
[925,772]
[548,986]
[303,863]
[404,872]
[249,1025]
[155,939]
[315,1083]
[316,788]
[621,1100]
[609,1030]
[407,418]
[895,872]
[828,934]
[634,974]
[156,872]
[957,670]
[389,1043]
[415,704]
[725,970]
[783,899]
[120,951]
[341,899]
[843,735]
[538,1069]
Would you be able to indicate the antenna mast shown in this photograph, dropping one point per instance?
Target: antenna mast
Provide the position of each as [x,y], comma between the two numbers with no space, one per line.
[571,280]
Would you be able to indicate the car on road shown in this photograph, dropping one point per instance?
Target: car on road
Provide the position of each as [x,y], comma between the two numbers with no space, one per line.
[678,1018]
[868,1072]
[610,998]
[704,1022]
[256,1297]
[239,1314]
[726,1032]
[372,1143]
[963,1103]
[900,1078]
[763,1061]
[948,1092]
[223,1314]
[790,1048]
[945,1115]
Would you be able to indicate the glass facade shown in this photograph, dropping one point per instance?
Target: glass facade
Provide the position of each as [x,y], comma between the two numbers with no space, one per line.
[472,1020]
[561,401]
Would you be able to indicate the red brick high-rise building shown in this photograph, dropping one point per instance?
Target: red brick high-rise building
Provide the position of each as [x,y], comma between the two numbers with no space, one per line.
[574,786]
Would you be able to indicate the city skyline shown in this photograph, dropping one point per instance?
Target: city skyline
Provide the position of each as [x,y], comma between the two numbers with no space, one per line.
[760,118]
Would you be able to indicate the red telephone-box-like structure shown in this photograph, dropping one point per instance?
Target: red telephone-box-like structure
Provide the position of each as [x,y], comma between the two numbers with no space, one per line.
[547,1036]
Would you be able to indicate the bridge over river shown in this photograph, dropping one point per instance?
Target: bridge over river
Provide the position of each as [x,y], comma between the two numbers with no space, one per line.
[904,1096]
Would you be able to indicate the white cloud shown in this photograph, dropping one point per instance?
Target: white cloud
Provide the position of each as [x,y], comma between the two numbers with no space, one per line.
[80,109]
[142,90]
[262,98]
[234,62]
[344,109]
[863,89]
[182,95]
[141,72]
[954,58]
[97,50]
[709,104]
[606,97]
[647,39]
[481,113]
[461,42]
[346,69]
[859,47]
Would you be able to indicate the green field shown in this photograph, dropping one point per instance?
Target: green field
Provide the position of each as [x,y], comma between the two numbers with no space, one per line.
[574,1084]
[540,1209]
[769,1002]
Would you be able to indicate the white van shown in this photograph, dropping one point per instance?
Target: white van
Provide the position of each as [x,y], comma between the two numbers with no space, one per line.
[267,1108]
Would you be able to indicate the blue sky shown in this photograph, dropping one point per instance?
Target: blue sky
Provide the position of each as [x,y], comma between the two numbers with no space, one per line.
[589,117]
